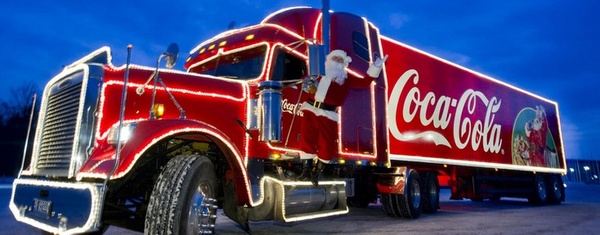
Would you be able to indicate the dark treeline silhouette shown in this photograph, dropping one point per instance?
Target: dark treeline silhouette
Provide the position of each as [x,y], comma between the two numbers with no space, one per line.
[15,111]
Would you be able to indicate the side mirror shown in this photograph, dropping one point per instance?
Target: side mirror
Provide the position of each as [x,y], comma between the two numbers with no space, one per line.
[171,55]
[316,60]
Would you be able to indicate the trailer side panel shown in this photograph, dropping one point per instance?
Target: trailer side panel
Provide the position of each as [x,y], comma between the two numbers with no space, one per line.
[439,112]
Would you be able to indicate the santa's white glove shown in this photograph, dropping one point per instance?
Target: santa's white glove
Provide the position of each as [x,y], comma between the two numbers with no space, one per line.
[309,85]
[375,68]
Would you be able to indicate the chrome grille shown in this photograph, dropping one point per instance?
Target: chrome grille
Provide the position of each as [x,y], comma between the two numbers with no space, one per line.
[58,137]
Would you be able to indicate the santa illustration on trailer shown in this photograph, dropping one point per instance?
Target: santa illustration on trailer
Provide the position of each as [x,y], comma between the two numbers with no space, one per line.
[536,131]
[318,137]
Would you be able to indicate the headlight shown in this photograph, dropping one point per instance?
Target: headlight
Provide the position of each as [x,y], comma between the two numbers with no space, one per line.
[114,135]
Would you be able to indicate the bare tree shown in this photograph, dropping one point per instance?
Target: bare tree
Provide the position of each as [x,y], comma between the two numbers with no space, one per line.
[14,120]
[18,103]
[21,98]
[4,112]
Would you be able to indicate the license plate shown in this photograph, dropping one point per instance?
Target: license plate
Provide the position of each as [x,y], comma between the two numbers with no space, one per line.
[42,206]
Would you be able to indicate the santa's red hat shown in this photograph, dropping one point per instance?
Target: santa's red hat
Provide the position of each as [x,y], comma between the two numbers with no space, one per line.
[341,54]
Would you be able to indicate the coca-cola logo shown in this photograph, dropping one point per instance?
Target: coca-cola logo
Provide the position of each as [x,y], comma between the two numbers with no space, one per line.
[288,107]
[441,112]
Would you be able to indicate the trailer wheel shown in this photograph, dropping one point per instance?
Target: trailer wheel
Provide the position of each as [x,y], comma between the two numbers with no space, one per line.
[183,199]
[556,190]
[539,195]
[406,205]
[431,193]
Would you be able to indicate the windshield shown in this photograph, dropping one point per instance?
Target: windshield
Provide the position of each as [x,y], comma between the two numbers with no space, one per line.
[244,65]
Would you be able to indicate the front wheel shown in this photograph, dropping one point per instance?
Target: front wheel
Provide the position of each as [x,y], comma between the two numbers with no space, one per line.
[183,199]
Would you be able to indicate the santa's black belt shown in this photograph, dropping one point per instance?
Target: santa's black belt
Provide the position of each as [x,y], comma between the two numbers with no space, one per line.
[321,105]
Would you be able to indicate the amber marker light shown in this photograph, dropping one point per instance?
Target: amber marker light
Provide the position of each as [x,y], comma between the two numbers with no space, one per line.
[342,161]
[250,37]
[159,110]
[274,156]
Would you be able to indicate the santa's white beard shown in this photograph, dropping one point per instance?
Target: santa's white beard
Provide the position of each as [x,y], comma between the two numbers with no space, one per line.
[336,71]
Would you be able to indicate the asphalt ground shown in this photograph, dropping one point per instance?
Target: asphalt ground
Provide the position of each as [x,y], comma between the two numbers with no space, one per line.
[580,214]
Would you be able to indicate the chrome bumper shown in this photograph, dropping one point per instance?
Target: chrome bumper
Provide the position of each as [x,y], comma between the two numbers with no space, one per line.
[57,207]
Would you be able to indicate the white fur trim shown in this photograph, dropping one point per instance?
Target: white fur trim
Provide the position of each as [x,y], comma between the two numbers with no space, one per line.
[320,112]
[323,88]
[305,156]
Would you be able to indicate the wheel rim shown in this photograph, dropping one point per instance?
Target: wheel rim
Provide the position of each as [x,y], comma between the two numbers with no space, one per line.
[557,190]
[541,190]
[201,212]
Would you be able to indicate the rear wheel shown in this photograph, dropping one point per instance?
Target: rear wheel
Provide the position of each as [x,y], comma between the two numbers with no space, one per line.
[183,199]
[408,205]
[556,190]
[431,193]
[539,194]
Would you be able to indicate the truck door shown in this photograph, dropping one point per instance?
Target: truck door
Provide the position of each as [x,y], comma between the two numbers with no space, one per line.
[362,122]
[290,70]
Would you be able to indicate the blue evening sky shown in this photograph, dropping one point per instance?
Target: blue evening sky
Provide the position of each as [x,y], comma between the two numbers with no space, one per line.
[548,47]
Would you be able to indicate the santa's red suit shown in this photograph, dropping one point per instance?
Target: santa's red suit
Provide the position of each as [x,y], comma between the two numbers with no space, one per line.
[318,137]
[536,131]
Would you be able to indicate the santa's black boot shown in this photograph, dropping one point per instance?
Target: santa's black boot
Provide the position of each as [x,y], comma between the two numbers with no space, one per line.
[307,166]
[318,167]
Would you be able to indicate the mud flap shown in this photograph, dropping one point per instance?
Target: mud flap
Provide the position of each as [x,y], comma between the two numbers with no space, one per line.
[236,213]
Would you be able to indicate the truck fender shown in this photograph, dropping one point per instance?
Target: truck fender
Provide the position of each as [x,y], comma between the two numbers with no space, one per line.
[150,132]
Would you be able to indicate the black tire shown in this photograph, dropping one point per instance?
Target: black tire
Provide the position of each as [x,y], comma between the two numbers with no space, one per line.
[430,193]
[406,205]
[539,195]
[556,190]
[183,198]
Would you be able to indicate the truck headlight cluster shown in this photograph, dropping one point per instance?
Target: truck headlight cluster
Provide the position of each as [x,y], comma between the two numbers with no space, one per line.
[115,136]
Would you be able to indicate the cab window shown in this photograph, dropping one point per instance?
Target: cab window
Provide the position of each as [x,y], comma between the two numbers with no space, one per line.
[288,68]
[242,65]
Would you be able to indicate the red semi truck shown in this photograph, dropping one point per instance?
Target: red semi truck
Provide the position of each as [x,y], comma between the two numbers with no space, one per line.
[159,150]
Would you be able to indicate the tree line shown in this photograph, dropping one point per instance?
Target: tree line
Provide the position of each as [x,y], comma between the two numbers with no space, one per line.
[15,112]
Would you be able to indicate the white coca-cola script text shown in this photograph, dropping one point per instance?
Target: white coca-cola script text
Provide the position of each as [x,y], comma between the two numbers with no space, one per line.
[441,112]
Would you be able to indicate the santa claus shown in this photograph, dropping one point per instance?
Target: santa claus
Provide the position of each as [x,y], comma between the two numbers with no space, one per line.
[318,137]
[536,131]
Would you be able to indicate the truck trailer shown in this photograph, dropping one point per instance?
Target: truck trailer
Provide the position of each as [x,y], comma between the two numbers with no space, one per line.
[159,150]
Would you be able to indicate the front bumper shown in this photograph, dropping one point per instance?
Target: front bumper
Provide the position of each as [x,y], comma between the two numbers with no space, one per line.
[57,207]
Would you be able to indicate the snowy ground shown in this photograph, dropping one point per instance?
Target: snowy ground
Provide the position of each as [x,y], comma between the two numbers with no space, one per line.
[578,215]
